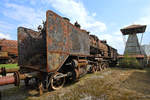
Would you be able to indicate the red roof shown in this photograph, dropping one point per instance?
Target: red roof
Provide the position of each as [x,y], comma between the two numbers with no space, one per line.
[8,43]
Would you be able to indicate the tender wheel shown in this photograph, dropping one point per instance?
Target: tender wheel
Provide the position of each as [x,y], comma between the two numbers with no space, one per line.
[57,81]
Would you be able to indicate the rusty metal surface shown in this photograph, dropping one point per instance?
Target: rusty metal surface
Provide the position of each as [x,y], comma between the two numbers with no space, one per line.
[114,54]
[7,80]
[10,70]
[94,41]
[48,51]
[104,48]
[31,48]
[16,77]
[63,39]
[100,47]
[28,75]
[3,54]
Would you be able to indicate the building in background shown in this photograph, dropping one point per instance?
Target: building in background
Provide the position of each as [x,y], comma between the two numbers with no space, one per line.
[146,48]
[8,51]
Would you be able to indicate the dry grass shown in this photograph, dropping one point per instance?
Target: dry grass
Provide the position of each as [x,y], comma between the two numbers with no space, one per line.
[111,84]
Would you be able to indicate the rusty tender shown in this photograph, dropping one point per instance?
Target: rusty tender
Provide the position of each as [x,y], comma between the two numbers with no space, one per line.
[58,53]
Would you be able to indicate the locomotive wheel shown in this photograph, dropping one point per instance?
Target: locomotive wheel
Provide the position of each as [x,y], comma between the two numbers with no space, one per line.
[101,67]
[93,69]
[90,69]
[105,65]
[98,68]
[77,73]
[56,81]
[73,77]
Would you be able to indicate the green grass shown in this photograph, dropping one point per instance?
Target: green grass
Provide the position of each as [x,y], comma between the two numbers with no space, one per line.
[9,65]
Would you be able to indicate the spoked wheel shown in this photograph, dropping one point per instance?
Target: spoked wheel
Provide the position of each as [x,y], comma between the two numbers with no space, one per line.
[105,65]
[73,77]
[100,67]
[90,69]
[93,69]
[77,73]
[57,81]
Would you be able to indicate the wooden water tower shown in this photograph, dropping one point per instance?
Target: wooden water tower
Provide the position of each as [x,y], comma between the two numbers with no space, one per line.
[132,45]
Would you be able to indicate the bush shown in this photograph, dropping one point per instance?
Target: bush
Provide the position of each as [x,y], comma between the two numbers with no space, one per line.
[129,62]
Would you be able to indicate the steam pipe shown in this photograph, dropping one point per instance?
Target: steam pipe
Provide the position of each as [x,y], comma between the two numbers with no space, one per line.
[15,79]
[7,80]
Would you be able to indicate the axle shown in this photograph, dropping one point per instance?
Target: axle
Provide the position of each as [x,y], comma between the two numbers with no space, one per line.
[15,79]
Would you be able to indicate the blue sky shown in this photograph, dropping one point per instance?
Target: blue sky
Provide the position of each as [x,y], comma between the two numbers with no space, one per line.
[103,18]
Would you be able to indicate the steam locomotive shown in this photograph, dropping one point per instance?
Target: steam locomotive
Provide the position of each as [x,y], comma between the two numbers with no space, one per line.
[59,52]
